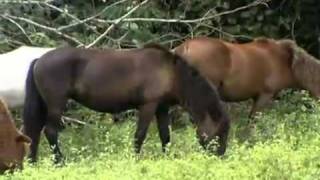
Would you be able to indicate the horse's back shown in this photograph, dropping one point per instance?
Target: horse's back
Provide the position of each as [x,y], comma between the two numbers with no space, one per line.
[94,77]
[24,54]
[260,66]
[276,60]
[240,70]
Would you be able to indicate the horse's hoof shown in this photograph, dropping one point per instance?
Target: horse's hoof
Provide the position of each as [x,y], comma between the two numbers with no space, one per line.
[59,161]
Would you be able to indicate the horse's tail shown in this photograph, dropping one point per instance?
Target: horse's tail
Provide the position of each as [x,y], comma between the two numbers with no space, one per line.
[34,112]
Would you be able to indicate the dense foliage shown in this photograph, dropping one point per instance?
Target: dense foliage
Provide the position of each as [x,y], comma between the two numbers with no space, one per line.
[292,19]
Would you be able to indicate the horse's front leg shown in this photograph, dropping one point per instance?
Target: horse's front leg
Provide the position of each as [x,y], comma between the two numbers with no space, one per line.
[163,122]
[259,102]
[146,113]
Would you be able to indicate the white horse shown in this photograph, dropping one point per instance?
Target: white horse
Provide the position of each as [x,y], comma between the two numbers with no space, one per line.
[14,66]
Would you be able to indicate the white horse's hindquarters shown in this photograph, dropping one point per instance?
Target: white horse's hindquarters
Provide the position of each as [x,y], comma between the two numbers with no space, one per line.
[14,98]
[14,67]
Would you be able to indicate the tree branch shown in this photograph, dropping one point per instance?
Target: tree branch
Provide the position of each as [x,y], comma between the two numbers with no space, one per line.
[51,29]
[72,120]
[228,34]
[19,26]
[116,22]
[69,15]
[92,17]
[46,3]
[253,4]
[21,2]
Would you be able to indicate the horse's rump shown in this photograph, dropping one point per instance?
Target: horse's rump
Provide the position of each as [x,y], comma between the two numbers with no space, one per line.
[13,72]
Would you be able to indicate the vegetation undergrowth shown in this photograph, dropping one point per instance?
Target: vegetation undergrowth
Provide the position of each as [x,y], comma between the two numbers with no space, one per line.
[285,144]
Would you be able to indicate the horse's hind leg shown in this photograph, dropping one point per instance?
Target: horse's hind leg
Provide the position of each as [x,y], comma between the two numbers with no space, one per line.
[54,124]
[163,122]
[259,102]
[52,137]
[34,132]
[146,113]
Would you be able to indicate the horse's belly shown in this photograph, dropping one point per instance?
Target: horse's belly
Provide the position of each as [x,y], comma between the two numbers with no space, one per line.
[238,92]
[243,83]
[106,101]
[108,106]
[234,97]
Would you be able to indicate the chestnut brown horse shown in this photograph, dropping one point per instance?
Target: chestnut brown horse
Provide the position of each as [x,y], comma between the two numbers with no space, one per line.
[150,79]
[13,144]
[257,69]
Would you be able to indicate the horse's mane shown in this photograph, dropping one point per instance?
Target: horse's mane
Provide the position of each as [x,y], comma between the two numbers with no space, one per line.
[198,92]
[305,67]
[161,48]
[156,46]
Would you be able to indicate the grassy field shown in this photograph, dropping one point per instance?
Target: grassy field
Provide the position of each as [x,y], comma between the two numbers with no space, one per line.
[284,145]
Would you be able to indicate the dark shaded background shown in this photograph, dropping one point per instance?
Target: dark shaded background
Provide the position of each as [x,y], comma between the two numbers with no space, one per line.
[294,19]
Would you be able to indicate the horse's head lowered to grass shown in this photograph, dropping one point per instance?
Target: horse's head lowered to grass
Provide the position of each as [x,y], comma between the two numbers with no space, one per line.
[202,100]
[13,144]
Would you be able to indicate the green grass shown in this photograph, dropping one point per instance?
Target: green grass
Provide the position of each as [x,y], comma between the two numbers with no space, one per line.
[284,145]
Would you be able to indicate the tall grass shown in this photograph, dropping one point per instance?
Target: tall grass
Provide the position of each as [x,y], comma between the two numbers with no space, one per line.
[284,145]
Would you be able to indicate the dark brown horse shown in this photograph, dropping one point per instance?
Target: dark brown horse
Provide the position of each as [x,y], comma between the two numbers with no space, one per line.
[149,79]
[257,70]
[13,144]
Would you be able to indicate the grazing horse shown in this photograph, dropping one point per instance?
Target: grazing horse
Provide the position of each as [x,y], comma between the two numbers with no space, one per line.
[257,69]
[150,79]
[14,66]
[13,144]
